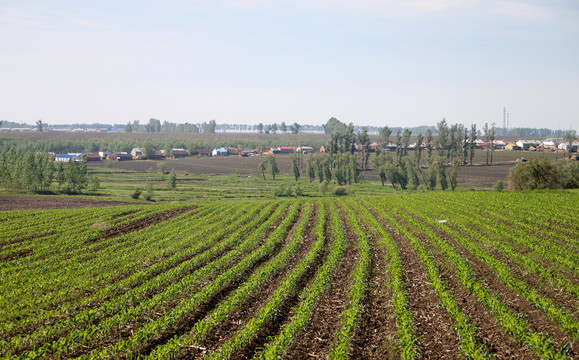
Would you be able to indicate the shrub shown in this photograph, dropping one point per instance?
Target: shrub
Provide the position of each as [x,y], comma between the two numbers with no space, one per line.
[298,191]
[340,191]
[149,192]
[135,195]
[324,187]
[570,175]
[499,186]
[533,175]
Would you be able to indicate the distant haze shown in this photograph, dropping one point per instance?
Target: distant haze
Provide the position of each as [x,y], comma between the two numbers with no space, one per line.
[370,62]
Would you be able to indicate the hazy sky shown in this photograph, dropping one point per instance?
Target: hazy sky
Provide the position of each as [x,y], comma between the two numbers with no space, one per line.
[370,62]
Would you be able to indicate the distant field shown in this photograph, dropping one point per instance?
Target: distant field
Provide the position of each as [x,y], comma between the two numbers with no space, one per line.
[432,275]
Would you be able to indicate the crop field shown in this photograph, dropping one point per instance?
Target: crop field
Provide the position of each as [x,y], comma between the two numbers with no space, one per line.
[431,275]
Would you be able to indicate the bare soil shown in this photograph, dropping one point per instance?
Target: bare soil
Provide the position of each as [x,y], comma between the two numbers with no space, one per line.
[37,202]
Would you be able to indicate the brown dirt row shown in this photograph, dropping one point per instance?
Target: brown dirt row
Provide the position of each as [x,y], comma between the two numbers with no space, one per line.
[245,313]
[9,202]
[437,336]
[317,335]
[537,320]
[378,338]
[143,223]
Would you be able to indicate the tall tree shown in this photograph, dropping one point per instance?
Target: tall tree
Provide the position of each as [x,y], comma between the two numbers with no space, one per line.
[295,166]
[273,128]
[364,141]
[273,166]
[260,128]
[283,127]
[442,137]
[334,125]
[311,168]
[472,142]
[295,128]
[39,125]
[172,180]
[385,133]
[418,150]
[492,140]
[129,127]
[570,138]
[263,166]
[405,141]
[429,144]
[399,151]
[148,150]
[487,135]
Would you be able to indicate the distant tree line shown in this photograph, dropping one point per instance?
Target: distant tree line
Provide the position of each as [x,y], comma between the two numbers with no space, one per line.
[36,171]
[110,145]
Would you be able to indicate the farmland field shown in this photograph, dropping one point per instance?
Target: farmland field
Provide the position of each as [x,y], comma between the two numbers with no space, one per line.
[423,275]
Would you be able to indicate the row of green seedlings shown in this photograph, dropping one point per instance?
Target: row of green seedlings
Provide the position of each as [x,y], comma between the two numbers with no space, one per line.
[556,312]
[152,279]
[526,236]
[61,241]
[548,224]
[67,284]
[40,288]
[43,278]
[170,319]
[79,223]
[513,322]
[492,237]
[470,344]
[309,296]
[406,329]
[287,289]
[33,223]
[341,348]
[29,254]
[551,213]
[177,283]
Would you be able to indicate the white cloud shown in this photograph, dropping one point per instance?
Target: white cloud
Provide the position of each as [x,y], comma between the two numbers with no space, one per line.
[18,18]
[519,9]
[86,23]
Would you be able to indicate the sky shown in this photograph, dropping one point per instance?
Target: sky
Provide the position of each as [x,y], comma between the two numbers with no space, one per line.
[370,62]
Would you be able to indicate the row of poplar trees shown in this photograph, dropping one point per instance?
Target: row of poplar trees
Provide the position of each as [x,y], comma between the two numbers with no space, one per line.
[37,171]
[348,153]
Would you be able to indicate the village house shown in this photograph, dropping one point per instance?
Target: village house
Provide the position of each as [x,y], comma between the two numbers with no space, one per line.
[219,152]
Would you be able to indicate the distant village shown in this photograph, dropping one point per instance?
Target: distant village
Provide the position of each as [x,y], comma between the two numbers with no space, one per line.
[550,145]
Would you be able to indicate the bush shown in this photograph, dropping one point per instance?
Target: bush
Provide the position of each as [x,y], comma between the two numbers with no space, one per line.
[570,175]
[149,192]
[324,187]
[534,175]
[135,195]
[298,191]
[340,191]
[499,186]
[282,190]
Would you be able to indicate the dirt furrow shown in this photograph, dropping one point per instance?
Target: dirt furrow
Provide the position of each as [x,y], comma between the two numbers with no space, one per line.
[314,341]
[435,329]
[378,333]
[536,318]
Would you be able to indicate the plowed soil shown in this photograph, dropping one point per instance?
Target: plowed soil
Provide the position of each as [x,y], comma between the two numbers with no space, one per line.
[37,202]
